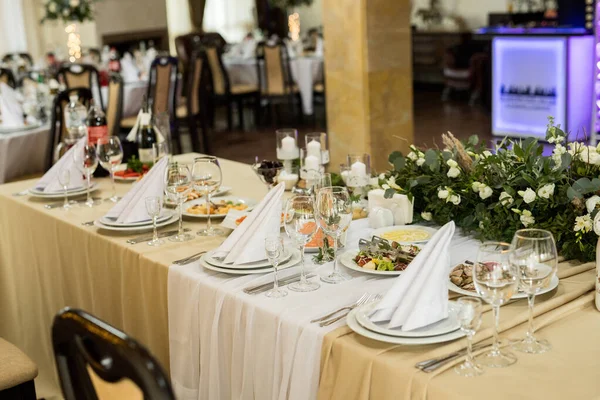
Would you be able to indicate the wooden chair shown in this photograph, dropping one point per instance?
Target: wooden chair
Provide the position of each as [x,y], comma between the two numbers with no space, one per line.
[279,86]
[81,340]
[80,76]
[193,112]
[114,108]
[224,93]
[319,97]
[17,372]
[6,76]
[25,56]
[58,128]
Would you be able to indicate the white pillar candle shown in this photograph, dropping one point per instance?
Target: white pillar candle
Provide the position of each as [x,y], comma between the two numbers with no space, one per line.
[288,144]
[312,162]
[358,170]
[313,148]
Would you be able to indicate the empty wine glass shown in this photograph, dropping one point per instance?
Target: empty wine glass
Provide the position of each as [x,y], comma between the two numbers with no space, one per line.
[469,317]
[86,161]
[325,180]
[274,249]
[496,280]
[153,208]
[64,178]
[110,154]
[207,176]
[534,255]
[300,225]
[333,210]
[160,150]
[178,184]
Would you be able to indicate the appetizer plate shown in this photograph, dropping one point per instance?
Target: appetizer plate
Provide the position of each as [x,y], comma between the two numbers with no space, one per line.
[60,195]
[220,192]
[295,259]
[410,341]
[442,327]
[123,167]
[98,224]
[253,265]
[406,234]
[166,214]
[347,259]
[519,295]
[248,202]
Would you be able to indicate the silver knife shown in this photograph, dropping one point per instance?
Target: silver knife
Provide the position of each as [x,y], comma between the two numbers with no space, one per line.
[146,238]
[283,282]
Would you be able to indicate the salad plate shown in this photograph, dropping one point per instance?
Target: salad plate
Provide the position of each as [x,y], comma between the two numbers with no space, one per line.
[406,234]
[380,264]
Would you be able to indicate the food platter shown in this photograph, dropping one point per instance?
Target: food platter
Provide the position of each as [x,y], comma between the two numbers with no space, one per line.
[348,260]
[406,233]
[196,208]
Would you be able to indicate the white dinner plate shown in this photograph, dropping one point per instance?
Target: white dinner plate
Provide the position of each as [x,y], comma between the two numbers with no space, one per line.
[294,260]
[110,222]
[410,341]
[430,231]
[253,265]
[59,195]
[519,295]
[249,202]
[220,192]
[442,327]
[22,128]
[347,260]
[98,224]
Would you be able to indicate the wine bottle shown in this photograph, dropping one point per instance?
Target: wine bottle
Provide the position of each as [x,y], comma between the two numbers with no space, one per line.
[146,137]
[97,130]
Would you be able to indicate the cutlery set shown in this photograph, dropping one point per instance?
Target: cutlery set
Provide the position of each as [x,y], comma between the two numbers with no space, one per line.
[268,286]
[331,318]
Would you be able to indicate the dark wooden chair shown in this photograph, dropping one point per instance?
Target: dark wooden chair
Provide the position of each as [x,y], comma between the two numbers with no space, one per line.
[186,45]
[81,340]
[80,76]
[58,127]
[114,107]
[24,56]
[17,373]
[6,76]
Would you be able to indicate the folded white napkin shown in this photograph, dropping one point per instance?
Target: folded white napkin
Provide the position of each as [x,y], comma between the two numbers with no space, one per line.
[132,135]
[248,48]
[49,182]
[247,243]
[419,297]
[11,111]
[129,71]
[132,207]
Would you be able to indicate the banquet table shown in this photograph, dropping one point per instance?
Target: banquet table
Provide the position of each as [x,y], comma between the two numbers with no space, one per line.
[133,96]
[23,152]
[221,343]
[306,71]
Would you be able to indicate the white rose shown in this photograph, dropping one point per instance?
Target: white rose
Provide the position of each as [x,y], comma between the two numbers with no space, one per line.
[453,172]
[481,225]
[382,176]
[583,223]
[559,149]
[66,12]
[526,218]
[485,192]
[392,183]
[476,186]
[452,164]
[454,199]
[443,194]
[412,156]
[420,161]
[74,3]
[527,195]
[505,199]
[591,203]
[546,191]
[52,7]
[486,154]
[597,224]
[426,216]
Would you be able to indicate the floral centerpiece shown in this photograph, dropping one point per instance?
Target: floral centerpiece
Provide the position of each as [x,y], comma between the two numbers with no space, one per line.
[69,10]
[494,192]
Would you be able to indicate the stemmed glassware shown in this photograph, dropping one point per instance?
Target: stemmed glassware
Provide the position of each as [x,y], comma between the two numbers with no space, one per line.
[87,161]
[64,178]
[207,177]
[535,256]
[333,210]
[469,316]
[110,154]
[300,225]
[160,150]
[274,249]
[178,184]
[496,280]
[154,207]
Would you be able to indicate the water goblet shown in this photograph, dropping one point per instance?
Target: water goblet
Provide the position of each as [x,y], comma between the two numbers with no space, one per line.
[153,208]
[110,154]
[469,316]
[86,161]
[64,178]
[178,184]
[207,177]
[274,249]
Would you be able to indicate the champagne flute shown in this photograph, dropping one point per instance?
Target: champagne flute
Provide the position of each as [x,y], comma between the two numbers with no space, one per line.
[86,161]
[110,154]
[274,249]
[154,207]
[64,178]
[325,180]
[535,256]
[469,317]
[178,184]
[334,213]
[301,226]
[496,280]
[207,177]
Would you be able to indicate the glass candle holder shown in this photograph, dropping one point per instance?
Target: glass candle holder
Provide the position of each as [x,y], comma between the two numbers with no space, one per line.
[311,167]
[359,170]
[317,141]
[287,144]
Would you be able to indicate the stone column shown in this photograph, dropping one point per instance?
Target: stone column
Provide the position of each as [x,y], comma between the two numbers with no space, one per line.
[368,77]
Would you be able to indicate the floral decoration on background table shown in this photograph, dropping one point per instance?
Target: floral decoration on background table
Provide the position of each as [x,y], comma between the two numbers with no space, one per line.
[69,10]
[494,192]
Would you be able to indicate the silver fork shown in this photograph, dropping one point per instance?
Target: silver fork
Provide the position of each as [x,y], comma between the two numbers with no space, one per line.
[184,260]
[371,298]
[350,307]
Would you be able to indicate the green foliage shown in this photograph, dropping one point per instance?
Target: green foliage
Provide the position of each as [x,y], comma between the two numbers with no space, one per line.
[69,11]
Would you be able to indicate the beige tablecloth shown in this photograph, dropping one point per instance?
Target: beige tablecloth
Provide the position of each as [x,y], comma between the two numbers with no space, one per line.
[23,152]
[48,260]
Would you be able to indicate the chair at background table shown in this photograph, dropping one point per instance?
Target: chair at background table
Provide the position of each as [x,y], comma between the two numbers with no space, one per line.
[80,76]
[17,372]
[319,97]
[225,93]
[185,45]
[81,341]
[114,107]
[6,76]
[58,128]
[279,86]
[8,57]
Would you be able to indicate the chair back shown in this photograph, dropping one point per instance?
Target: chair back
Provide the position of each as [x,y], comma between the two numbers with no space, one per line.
[275,61]
[196,100]
[80,340]
[6,76]
[58,127]
[162,87]
[24,56]
[114,108]
[80,76]
[219,77]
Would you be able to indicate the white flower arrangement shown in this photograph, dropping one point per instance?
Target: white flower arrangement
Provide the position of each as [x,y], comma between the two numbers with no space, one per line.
[69,11]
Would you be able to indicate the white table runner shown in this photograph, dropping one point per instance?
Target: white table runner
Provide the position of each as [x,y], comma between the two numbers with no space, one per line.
[23,152]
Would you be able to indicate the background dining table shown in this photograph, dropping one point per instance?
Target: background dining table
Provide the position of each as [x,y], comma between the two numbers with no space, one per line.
[23,152]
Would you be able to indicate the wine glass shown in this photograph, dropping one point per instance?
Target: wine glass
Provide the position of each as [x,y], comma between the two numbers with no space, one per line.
[178,184]
[64,178]
[300,225]
[153,208]
[536,259]
[206,177]
[86,161]
[496,280]
[160,150]
[325,181]
[110,154]
[274,249]
[469,317]
[334,213]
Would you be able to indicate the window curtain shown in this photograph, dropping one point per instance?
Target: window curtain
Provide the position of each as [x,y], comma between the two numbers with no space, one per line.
[12,27]
[231,18]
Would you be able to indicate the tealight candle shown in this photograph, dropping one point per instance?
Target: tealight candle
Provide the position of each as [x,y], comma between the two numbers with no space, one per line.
[313,148]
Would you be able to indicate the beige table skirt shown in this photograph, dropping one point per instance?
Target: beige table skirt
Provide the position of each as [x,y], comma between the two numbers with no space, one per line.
[48,261]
